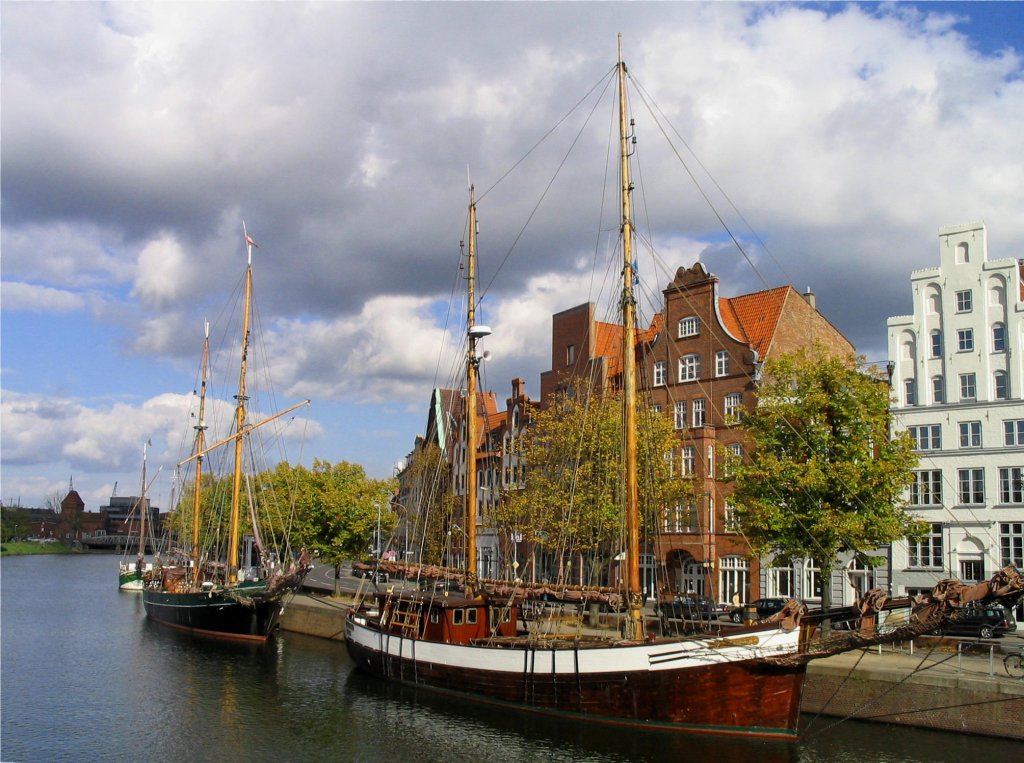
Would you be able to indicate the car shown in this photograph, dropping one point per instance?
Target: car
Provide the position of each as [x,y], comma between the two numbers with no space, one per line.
[985,621]
[368,569]
[764,608]
[690,607]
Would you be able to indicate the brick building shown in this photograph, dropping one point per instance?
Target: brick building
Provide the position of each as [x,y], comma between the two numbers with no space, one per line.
[700,360]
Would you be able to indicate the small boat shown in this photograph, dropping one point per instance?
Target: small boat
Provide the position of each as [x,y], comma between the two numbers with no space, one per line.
[131,573]
[471,637]
[217,596]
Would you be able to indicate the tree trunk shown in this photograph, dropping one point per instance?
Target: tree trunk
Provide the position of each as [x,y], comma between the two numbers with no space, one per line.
[337,579]
[826,598]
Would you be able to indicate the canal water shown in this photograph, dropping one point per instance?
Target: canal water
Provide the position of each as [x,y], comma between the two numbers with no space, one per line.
[86,677]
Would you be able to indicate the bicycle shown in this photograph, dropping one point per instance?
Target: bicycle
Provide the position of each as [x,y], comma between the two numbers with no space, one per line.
[1014,664]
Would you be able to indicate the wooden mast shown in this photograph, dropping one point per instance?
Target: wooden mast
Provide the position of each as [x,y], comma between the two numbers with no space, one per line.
[634,595]
[200,428]
[236,485]
[143,510]
[471,428]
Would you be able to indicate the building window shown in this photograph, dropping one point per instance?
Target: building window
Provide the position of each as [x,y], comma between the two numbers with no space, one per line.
[656,407]
[965,340]
[968,386]
[689,367]
[972,485]
[734,578]
[1011,544]
[964,302]
[659,373]
[780,582]
[689,326]
[733,407]
[1011,484]
[570,354]
[970,434]
[734,456]
[689,459]
[998,337]
[812,580]
[936,337]
[910,391]
[926,489]
[731,522]
[938,389]
[698,412]
[676,519]
[721,363]
[963,253]
[1001,384]
[1013,432]
[927,437]
[680,414]
[926,552]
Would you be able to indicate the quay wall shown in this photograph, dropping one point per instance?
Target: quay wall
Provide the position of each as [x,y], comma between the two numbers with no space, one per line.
[887,688]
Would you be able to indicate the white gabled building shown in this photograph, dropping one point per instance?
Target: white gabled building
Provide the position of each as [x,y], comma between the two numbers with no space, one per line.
[958,378]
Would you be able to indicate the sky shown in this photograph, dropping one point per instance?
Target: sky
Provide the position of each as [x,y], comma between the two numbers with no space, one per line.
[835,139]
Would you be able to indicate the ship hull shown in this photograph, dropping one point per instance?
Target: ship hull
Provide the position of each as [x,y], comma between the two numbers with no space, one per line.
[214,614]
[693,686]
[130,581]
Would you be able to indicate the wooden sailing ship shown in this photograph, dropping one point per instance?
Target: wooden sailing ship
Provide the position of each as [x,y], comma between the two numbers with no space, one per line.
[213,596]
[475,642]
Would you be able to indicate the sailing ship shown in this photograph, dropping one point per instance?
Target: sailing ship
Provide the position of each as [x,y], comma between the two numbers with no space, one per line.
[470,637]
[220,597]
[130,573]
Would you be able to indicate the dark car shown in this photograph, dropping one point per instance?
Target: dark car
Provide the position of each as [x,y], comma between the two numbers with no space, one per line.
[764,607]
[690,607]
[368,569]
[985,621]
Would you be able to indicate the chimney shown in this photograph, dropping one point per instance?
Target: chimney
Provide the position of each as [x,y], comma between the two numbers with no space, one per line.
[811,299]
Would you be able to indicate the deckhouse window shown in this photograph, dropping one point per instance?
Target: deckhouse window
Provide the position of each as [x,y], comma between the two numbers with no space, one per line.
[457,616]
[689,326]
[471,616]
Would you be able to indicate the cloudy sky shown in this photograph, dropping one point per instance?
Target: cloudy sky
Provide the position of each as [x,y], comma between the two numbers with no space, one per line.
[136,137]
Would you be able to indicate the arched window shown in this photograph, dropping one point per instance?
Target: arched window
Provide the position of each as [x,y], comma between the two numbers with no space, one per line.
[963,253]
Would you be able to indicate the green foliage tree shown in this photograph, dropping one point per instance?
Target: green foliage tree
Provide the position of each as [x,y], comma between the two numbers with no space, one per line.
[428,483]
[336,508]
[824,476]
[572,499]
[13,523]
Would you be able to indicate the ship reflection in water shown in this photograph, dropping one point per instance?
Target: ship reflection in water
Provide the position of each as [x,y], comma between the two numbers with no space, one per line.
[86,677]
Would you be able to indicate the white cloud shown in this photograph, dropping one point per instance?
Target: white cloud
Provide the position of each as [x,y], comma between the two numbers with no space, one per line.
[164,273]
[38,299]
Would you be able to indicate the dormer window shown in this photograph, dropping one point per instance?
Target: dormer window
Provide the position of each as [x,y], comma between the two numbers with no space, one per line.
[689,326]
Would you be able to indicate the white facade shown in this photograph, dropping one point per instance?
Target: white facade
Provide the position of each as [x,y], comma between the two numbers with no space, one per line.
[958,382]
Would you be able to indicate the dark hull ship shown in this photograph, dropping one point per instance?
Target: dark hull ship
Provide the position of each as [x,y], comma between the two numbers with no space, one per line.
[212,597]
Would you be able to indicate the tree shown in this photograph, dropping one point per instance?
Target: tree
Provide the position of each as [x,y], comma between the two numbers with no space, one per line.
[336,508]
[824,476]
[13,523]
[428,482]
[572,499]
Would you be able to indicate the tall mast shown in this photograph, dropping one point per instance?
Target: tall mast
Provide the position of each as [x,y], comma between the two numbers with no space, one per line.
[634,620]
[236,485]
[200,445]
[143,509]
[471,372]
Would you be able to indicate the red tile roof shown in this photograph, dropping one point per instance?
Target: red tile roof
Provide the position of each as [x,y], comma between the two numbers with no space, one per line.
[757,316]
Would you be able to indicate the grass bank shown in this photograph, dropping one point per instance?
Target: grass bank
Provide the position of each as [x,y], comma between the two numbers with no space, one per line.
[25,548]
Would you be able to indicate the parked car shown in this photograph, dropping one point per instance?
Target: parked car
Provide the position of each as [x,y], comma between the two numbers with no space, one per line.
[690,607]
[368,569]
[765,608]
[987,621]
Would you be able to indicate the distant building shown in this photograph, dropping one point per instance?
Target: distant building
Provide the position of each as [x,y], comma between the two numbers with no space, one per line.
[958,373]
